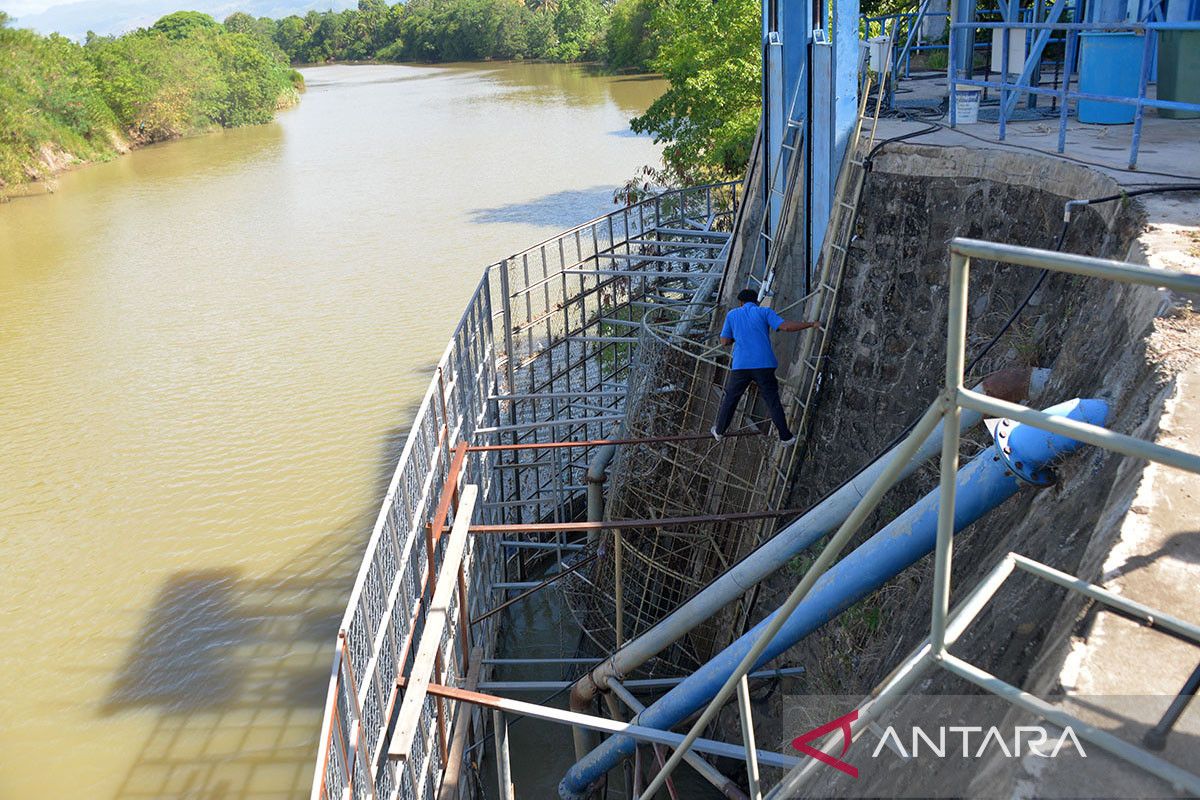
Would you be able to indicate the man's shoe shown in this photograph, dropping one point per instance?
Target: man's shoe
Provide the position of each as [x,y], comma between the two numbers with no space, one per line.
[787,442]
[715,435]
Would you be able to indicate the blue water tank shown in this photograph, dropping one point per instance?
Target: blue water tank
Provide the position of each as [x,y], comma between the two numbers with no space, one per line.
[1110,64]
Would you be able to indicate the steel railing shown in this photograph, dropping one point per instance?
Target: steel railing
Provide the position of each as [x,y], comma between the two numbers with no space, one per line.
[1064,94]
[531,359]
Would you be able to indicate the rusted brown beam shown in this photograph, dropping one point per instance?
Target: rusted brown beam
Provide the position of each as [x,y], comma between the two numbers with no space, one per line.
[570,527]
[683,437]
[449,491]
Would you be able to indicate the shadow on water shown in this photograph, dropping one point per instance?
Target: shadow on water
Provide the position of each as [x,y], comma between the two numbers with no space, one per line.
[629,133]
[237,668]
[560,209]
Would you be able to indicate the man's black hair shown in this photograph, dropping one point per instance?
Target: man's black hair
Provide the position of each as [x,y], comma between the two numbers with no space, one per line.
[747,296]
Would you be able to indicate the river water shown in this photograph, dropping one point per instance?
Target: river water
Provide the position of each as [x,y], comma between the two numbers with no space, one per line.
[209,353]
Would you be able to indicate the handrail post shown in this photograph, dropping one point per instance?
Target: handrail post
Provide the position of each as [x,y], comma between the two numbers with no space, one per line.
[955,358]
[1140,109]
[503,768]
[743,695]
[619,599]
[1005,38]
[1064,96]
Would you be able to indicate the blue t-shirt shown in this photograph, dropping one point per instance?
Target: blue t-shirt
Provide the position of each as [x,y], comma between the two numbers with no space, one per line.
[750,328]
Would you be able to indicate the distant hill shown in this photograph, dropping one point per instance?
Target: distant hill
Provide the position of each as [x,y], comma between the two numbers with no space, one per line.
[117,16]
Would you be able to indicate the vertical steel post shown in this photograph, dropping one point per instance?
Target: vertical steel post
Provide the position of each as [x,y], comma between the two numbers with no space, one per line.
[1140,111]
[1005,38]
[618,589]
[743,695]
[503,768]
[950,72]
[955,357]
[1065,92]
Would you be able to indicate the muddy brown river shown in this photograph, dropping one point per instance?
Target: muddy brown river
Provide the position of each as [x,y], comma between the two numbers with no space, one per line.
[209,353]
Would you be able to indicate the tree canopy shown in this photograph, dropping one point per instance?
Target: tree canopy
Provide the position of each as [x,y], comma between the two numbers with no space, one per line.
[184,74]
[710,55]
[465,30]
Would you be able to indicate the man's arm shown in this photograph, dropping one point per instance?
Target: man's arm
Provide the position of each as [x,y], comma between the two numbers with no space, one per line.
[788,326]
[726,333]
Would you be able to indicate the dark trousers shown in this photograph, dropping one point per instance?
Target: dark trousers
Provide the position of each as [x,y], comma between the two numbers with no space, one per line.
[768,388]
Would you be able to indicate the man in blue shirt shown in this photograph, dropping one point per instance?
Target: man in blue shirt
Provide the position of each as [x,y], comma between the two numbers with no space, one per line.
[748,329]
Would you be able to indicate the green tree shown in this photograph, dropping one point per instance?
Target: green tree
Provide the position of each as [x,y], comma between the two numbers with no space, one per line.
[629,42]
[240,22]
[184,23]
[365,29]
[60,99]
[579,26]
[291,35]
[710,55]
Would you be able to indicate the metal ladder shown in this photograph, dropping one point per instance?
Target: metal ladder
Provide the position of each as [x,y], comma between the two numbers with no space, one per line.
[778,186]
[834,252]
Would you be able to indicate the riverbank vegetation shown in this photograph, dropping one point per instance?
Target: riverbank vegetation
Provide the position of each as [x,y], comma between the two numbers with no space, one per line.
[470,30]
[62,102]
[708,52]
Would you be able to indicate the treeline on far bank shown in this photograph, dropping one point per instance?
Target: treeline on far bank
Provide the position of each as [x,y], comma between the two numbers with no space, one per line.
[62,101]
[620,34]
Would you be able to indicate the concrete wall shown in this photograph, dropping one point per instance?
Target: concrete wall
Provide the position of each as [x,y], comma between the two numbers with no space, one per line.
[887,363]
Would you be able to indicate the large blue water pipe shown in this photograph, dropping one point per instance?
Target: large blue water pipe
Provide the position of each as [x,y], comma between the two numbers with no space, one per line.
[1021,455]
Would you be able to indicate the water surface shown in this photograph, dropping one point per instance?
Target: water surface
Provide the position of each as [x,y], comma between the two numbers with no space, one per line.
[209,354]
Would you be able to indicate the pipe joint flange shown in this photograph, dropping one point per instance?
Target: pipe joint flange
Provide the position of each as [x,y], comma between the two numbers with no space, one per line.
[1025,470]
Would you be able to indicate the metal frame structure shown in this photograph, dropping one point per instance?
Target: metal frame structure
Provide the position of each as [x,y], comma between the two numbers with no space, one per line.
[539,356]
[1010,92]
[535,381]
[945,628]
[703,496]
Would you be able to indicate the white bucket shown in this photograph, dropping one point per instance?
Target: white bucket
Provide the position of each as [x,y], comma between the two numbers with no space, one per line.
[966,106]
[878,60]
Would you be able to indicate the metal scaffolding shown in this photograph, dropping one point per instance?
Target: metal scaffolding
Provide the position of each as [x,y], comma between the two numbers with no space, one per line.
[540,355]
[676,384]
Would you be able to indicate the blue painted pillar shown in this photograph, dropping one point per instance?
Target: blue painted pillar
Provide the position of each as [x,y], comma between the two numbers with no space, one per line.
[845,72]
[823,163]
[962,42]
[786,31]
[1107,10]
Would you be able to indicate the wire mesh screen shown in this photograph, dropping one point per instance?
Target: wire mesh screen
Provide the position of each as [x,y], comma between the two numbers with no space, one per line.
[541,354]
[674,388]
[568,314]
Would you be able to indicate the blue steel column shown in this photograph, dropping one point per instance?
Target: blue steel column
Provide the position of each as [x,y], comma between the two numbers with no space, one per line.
[834,110]
[823,135]
[796,26]
[845,73]
[773,122]
[786,31]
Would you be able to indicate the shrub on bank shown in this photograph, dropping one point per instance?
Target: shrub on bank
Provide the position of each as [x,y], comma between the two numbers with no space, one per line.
[62,101]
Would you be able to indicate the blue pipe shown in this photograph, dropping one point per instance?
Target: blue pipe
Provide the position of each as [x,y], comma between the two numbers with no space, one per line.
[983,485]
